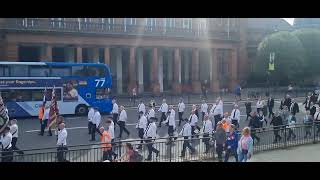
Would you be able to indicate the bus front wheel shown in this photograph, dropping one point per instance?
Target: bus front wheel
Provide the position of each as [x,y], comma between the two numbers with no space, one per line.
[81,110]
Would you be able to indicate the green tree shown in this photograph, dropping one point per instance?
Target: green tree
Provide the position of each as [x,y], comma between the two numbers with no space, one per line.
[310,39]
[289,58]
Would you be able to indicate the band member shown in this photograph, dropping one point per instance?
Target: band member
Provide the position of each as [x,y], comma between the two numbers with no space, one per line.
[115,112]
[207,131]
[141,126]
[186,133]
[217,113]
[150,134]
[163,109]
[181,108]
[204,108]
[235,116]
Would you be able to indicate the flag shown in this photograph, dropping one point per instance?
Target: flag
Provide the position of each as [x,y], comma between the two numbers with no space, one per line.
[53,112]
[271,61]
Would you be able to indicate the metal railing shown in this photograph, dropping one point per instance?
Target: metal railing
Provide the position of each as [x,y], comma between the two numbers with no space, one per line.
[171,152]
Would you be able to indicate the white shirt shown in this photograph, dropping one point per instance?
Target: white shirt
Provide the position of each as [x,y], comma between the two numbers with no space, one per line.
[164,107]
[142,122]
[96,119]
[260,104]
[14,130]
[90,114]
[193,119]
[171,118]
[217,109]
[111,130]
[204,107]
[315,116]
[221,104]
[62,137]
[151,113]
[186,130]
[46,114]
[115,109]
[235,114]
[142,107]
[123,116]
[151,131]
[181,107]
[207,127]
[6,141]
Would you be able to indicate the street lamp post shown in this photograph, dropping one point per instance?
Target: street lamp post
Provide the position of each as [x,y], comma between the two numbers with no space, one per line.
[270,69]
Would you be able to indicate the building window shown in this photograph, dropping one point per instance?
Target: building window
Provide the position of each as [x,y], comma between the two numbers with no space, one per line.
[130,22]
[58,22]
[187,23]
[150,23]
[202,26]
[169,24]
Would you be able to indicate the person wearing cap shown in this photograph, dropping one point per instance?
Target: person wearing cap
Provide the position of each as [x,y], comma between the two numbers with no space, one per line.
[163,109]
[235,116]
[45,119]
[90,117]
[207,131]
[14,130]
[171,122]
[95,123]
[150,134]
[141,126]
[122,122]
[220,137]
[186,134]
[181,107]
[115,112]
[204,108]
[6,146]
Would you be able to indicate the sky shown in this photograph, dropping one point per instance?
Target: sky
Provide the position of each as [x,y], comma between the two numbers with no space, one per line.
[289,20]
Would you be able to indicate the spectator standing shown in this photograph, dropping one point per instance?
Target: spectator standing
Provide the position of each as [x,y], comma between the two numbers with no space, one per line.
[238,92]
[232,144]
[277,124]
[220,137]
[181,107]
[245,146]
[254,124]
[134,95]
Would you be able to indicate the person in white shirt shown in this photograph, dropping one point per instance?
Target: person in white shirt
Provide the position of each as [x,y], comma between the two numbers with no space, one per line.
[122,122]
[62,143]
[207,131]
[193,119]
[95,123]
[186,133]
[171,122]
[45,119]
[14,130]
[150,134]
[259,105]
[151,113]
[90,117]
[163,109]
[217,113]
[219,99]
[204,108]
[115,112]
[235,116]
[141,107]
[110,129]
[6,146]
[141,126]
[181,108]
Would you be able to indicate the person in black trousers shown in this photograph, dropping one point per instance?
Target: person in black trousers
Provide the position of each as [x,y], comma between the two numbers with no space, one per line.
[287,101]
[254,124]
[248,108]
[277,124]
[294,108]
[312,109]
[307,103]
[270,104]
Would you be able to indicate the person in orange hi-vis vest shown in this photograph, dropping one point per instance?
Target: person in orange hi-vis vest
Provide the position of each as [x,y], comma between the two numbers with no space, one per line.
[40,114]
[106,144]
[226,122]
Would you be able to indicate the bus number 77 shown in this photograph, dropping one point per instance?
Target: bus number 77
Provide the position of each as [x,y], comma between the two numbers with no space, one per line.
[102,80]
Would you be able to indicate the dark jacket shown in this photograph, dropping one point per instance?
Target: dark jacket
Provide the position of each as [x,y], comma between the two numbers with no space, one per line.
[313,110]
[287,102]
[254,122]
[232,140]
[295,108]
[220,136]
[281,105]
[270,103]
[313,98]
[276,121]
[248,107]
[307,105]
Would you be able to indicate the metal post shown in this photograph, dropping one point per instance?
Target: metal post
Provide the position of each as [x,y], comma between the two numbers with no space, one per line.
[170,155]
[314,133]
[285,136]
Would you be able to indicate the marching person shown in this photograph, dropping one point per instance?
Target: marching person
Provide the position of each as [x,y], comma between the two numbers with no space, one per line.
[90,117]
[254,124]
[307,103]
[262,119]
[122,122]
[115,112]
[106,145]
[151,113]
[277,122]
[248,108]
[259,104]
[220,137]
[217,113]
[207,130]
[150,134]
[14,130]
[163,109]
[6,146]
[287,101]
[204,108]
[313,109]
[235,116]
[195,109]
[95,123]
[181,107]
[45,119]
[186,133]
[141,108]
[193,119]
[294,107]
[110,129]
[172,123]
[141,126]
[232,144]
[270,104]
[245,146]
[285,115]
[62,143]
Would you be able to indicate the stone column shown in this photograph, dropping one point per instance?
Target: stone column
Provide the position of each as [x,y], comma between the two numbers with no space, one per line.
[94,54]
[107,56]
[154,72]
[177,72]
[186,66]
[170,66]
[132,70]
[234,68]
[215,85]
[140,69]
[119,70]
[46,53]
[196,85]
[160,70]
[79,54]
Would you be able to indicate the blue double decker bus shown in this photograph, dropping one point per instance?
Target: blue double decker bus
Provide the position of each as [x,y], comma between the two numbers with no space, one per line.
[77,86]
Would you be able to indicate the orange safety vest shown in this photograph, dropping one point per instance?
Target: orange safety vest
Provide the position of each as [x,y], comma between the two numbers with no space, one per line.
[106,141]
[41,113]
[226,126]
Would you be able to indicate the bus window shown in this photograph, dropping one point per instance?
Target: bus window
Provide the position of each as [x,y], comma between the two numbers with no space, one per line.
[49,94]
[19,70]
[78,71]
[4,71]
[37,94]
[60,71]
[39,71]
[101,93]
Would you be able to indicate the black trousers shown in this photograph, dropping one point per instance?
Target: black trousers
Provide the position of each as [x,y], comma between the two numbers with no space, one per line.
[276,135]
[43,126]
[170,132]
[93,132]
[291,133]
[107,155]
[308,129]
[112,149]
[61,151]
[217,118]
[151,148]
[89,127]
[203,113]
[140,134]
[14,147]
[180,117]
[193,128]
[115,120]
[7,155]
[254,136]
[270,111]
[235,122]
[258,110]
[248,115]
[122,126]
[206,140]
[219,150]
[186,144]
[163,118]
[231,151]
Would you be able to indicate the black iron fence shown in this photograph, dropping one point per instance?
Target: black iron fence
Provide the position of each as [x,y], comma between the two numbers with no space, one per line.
[171,152]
